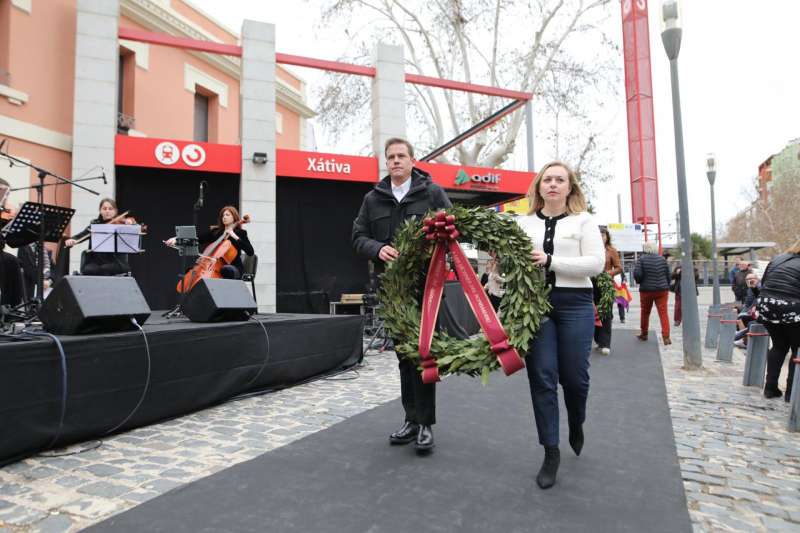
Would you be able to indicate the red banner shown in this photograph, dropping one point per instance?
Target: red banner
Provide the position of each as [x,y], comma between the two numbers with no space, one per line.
[180,155]
[318,165]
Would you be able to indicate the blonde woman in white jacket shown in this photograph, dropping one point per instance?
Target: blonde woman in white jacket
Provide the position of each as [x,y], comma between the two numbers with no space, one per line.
[567,244]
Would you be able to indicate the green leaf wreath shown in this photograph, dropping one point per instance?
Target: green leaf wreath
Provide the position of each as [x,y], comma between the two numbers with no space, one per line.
[605,286]
[524,305]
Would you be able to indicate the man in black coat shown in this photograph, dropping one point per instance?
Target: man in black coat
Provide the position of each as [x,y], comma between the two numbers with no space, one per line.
[406,192]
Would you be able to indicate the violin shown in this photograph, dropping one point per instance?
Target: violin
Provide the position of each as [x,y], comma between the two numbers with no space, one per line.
[215,256]
[7,210]
[119,219]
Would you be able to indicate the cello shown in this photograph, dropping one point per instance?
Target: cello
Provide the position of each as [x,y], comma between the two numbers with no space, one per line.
[216,255]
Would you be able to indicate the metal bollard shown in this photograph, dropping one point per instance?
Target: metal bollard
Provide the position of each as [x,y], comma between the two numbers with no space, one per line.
[794,409]
[727,331]
[712,327]
[756,363]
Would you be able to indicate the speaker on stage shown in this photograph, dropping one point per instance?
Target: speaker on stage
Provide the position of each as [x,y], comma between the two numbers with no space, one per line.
[91,304]
[219,300]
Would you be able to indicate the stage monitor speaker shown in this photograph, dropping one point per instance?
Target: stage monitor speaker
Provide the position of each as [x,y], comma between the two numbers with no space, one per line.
[219,300]
[92,304]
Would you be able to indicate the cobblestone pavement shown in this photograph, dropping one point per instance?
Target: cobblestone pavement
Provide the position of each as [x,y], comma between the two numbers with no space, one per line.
[57,494]
[741,468]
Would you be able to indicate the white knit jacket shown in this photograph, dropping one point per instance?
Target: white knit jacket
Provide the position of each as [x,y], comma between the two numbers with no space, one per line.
[578,251]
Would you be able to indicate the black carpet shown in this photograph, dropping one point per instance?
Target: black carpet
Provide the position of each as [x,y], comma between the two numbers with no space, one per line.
[480,477]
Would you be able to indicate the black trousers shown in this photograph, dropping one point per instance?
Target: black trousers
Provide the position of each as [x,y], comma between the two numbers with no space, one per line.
[602,334]
[784,337]
[419,399]
[621,309]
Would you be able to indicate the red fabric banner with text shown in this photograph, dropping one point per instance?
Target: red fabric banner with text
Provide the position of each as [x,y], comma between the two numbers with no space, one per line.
[442,229]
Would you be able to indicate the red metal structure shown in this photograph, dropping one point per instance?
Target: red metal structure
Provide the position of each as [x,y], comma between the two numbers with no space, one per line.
[520,98]
[641,126]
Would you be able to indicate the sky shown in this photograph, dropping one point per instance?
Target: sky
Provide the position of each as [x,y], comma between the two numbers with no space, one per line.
[739,82]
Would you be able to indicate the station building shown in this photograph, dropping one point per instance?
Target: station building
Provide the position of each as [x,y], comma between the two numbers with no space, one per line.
[159,97]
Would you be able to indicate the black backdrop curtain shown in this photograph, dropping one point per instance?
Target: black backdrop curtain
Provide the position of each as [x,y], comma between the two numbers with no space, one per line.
[316,262]
[163,199]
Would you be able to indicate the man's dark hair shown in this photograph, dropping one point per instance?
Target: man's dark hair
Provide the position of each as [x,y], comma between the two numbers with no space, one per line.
[4,183]
[398,140]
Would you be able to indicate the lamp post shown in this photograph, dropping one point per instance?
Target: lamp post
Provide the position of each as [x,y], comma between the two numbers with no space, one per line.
[671,37]
[711,174]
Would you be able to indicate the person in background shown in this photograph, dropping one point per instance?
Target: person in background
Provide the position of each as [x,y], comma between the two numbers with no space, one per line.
[739,286]
[652,274]
[602,334]
[567,245]
[492,282]
[778,308]
[747,313]
[675,286]
[622,295]
[101,263]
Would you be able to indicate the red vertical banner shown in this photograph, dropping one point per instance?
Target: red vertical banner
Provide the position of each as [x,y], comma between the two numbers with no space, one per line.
[641,127]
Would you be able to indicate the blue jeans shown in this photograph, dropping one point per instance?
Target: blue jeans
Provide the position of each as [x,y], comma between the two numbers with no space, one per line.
[560,354]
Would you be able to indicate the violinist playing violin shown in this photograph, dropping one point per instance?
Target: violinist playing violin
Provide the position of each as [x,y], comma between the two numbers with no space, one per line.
[102,264]
[10,278]
[228,223]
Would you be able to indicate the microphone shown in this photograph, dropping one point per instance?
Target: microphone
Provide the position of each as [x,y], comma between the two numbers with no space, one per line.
[202,190]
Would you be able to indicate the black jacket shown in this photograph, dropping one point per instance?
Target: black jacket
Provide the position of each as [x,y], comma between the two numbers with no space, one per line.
[652,273]
[782,278]
[242,245]
[381,214]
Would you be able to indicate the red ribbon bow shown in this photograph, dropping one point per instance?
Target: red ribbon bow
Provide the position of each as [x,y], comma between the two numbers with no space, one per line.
[442,229]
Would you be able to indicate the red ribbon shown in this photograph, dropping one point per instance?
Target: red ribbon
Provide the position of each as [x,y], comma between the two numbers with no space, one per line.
[442,229]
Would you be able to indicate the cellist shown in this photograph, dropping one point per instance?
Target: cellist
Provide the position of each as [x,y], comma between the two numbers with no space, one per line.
[228,224]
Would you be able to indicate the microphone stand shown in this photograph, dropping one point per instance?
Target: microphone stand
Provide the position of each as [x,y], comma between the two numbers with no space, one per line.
[42,174]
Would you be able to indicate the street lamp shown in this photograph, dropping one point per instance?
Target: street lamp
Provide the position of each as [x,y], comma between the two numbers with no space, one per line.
[671,37]
[711,174]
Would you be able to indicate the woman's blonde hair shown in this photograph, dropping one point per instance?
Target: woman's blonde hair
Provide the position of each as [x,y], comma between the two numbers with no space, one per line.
[576,201]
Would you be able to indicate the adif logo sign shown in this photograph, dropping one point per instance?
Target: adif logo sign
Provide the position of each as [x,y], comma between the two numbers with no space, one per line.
[486,179]
[167,153]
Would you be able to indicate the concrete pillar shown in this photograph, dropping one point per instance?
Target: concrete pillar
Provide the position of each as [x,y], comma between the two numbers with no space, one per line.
[755,365]
[257,132]
[712,327]
[94,122]
[388,99]
[727,331]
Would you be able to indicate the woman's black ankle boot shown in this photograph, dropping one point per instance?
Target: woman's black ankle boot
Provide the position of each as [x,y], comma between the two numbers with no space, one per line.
[547,474]
[576,437]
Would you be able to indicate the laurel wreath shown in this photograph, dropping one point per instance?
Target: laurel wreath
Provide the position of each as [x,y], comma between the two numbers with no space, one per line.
[521,311]
[605,286]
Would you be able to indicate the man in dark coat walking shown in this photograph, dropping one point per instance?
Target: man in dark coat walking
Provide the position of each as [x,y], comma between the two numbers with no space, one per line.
[406,192]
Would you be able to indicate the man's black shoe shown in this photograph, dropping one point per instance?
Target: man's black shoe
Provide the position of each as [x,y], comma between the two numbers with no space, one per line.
[405,434]
[424,439]
[772,392]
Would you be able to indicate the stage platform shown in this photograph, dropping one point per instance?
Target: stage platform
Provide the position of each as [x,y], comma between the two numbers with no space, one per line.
[190,366]
[480,477]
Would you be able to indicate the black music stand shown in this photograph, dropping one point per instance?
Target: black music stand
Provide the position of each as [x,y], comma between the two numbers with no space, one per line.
[186,243]
[24,229]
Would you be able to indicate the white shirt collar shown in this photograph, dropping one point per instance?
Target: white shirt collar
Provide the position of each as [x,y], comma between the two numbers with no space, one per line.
[400,191]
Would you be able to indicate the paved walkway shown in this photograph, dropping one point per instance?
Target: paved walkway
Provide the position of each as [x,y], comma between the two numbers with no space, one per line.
[741,468]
